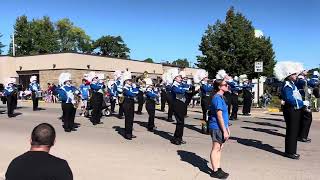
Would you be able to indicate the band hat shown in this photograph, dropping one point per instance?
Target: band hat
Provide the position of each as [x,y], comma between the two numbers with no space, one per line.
[285,69]
[33,78]
[64,77]
[221,74]
[126,75]
[200,75]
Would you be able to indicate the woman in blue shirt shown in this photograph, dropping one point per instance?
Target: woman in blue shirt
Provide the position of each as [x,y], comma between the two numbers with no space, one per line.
[218,125]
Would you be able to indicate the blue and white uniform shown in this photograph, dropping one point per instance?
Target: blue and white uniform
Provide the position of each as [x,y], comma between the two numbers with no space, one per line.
[96,101]
[205,92]
[66,94]
[179,108]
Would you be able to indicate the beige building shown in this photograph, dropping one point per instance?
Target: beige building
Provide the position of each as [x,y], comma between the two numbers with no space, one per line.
[48,67]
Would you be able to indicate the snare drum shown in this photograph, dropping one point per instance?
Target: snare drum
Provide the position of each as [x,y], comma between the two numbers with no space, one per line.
[39,94]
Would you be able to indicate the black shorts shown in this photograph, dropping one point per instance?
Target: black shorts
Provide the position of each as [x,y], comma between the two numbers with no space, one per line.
[217,136]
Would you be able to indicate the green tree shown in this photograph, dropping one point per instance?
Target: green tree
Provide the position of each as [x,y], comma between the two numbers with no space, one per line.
[44,37]
[181,62]
[150,60]
[112,46]
[22,37]
[232,45]
[72,38]
[1,45]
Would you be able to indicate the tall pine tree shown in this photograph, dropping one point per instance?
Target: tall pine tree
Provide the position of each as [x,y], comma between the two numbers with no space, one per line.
[232,45]
[1,45]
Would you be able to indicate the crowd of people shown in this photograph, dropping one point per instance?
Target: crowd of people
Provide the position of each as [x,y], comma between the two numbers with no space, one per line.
[218,97]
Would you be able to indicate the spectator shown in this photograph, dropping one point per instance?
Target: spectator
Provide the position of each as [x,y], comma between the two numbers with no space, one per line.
[38,164]
[218,125]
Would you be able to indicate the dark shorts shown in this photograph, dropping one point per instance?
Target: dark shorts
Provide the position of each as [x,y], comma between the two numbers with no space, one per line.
[217,136]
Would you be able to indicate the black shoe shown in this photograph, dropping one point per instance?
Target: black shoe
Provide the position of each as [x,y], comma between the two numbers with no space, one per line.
[219,174]
[305,140]
[128,137]
[162,110]
[94,124]
[219,169]
[170,120]
[73,129]
[292,156]
[152,129]
[139,113]
[120,117]
[67,130]
[133,136]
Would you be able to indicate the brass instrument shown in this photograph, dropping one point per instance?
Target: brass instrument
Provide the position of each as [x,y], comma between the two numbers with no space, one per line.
[77,99]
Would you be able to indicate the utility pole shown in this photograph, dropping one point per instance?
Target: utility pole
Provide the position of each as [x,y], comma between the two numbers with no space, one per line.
[13,46]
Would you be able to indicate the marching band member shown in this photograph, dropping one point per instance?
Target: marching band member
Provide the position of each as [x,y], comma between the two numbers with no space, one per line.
[287,72]
[163,94]
[166,77]
[34,87]
[152,98]
[314,84]
[305,124]
[142,89]
[113,95]
[67,95]
[129,92]
[97,87]
[118,88]
[10,91]
[85,95]
[235,88]
[206,90]
[247,94]
[179,106]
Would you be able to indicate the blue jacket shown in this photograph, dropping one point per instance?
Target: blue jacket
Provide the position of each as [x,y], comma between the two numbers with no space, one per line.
[97,86]
[152,94]
[247,86]
[314,81]
[113,91]
[234,86]
[129,91]
[300,84]
[206,89]
[84,90]
[291,95]
[168,87]
[34,86]
[178,89]
[9,90]
[66,93]
[118,86]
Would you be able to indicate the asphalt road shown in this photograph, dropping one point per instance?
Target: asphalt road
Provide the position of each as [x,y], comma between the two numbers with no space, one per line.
[100,152]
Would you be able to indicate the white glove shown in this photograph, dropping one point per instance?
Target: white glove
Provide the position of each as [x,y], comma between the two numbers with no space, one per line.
[309,91]
[306,103]
[134,85]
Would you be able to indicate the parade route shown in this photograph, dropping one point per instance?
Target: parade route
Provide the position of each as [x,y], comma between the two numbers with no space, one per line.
[100,152]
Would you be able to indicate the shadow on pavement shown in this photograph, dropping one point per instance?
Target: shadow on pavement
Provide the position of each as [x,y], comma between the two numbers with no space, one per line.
[161,118]
[193,127]
[268,131]
[163,134]
[273,119]
[119,130]
[257,144]
[195,161]
[265,124]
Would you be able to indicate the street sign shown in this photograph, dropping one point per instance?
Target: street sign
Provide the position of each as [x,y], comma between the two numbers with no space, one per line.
[258,66]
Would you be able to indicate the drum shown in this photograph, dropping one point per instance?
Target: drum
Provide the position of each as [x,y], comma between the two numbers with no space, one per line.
[39,94]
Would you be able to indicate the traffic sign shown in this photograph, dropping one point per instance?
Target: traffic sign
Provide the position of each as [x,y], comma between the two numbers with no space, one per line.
[258,66]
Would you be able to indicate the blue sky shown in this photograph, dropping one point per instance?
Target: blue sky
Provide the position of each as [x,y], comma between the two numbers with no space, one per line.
[172,29]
